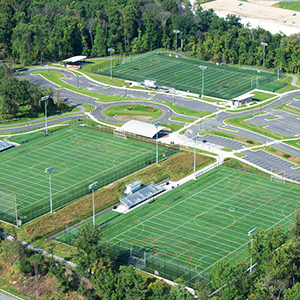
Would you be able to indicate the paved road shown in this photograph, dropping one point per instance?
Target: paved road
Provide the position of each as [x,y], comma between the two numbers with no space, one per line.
[287,124]
[167,113]
[91,85]
[4,295]
[4,130]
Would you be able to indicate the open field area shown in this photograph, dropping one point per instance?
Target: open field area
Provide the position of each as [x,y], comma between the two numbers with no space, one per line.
[80,156]
[292,5]
[186,231]
[184,74]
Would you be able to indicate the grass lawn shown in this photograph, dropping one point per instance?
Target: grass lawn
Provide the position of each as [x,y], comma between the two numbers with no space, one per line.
[80,156]
[260,96]
[186,111]
[148,111]
[287,81]
[171,126]
[292,5]
[183,120]
[186,231]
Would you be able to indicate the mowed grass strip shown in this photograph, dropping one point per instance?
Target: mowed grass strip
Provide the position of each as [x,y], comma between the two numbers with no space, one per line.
[204,221]
[219,81]
[80,156]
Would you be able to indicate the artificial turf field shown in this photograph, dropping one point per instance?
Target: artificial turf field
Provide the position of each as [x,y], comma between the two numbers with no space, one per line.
[80,156]
[204,221]
[223,82]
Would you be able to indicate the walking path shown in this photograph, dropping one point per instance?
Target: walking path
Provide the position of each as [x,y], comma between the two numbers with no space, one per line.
[4,295]
[39,250]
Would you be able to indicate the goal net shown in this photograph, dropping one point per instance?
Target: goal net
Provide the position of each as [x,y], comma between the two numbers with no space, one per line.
[120,134]
[277,177]
[137,258]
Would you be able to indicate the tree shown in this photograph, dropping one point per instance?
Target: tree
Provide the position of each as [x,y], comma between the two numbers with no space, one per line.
[295,230]
[35,260]
[293,292]
[89,249]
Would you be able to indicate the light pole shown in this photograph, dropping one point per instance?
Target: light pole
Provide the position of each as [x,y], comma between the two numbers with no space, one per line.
[264,45]
[49,170]
[110,50]
[278,72]
[156,125]
[176,32]
[16,207]
[44,99]
[195,140]
[250,232]
[202,68]
[92,186]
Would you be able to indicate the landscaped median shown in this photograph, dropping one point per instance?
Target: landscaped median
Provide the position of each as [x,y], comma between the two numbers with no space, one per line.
[287,156]
[240,122]
[55,76]
[248,142]
[286,107]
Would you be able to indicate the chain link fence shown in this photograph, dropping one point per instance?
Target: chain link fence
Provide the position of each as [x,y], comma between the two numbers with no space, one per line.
[11,215]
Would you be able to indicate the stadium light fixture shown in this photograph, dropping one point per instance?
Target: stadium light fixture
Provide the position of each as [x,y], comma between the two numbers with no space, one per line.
[202,68]
[156,125]
[91,187]
[110,50]
[250,232]
[16,207]
[176,32]
[194,138]
[278,72]
[49,171]
[264,46]
[45,99]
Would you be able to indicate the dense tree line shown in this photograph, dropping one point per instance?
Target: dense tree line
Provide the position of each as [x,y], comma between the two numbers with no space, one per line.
[44,30]
[21,99]
[276,272]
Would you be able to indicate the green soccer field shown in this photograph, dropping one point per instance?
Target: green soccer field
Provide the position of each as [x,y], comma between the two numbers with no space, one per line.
[80,156]
[224,82]
[189,229]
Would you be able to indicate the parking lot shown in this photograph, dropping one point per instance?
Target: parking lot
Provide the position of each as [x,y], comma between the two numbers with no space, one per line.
[285,123]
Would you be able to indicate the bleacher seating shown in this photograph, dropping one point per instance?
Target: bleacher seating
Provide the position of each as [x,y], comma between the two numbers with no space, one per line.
[141,195]
[4,145]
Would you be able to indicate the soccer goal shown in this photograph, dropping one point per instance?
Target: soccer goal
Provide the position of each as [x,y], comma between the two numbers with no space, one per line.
[137,258]
[277,177]
[120,134]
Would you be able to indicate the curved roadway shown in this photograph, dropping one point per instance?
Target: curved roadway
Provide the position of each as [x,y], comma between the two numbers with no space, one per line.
[276,120]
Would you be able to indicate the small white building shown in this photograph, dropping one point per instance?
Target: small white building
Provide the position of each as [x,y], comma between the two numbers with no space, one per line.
[133,187]
[150,83]
[241,100]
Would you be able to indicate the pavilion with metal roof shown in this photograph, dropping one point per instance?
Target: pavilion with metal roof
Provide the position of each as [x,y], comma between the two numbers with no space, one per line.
[74,59]
[74,62]
[141,128]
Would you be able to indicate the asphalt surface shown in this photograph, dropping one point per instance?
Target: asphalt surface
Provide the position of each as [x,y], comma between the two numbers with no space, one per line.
[285,123]
[8,296]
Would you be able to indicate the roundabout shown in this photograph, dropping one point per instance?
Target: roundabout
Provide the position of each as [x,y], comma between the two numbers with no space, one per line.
[127,112]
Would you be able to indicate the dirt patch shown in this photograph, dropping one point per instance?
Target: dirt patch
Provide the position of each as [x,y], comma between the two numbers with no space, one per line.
[289,157]
[128,118]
